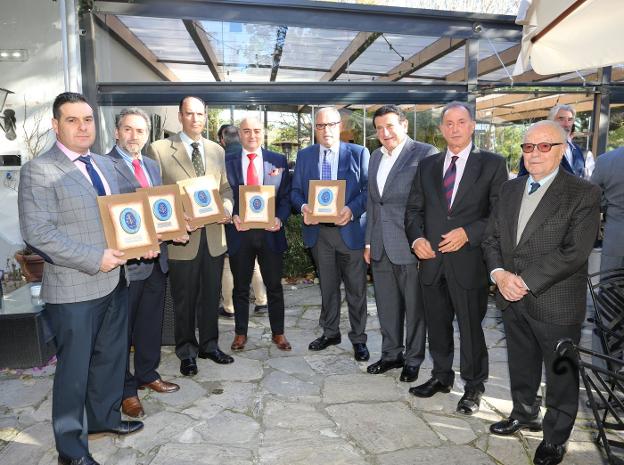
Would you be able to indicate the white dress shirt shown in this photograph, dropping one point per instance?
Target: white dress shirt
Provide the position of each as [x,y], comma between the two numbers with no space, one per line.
[460,165]
[388,159]
[187,141]
[258,164]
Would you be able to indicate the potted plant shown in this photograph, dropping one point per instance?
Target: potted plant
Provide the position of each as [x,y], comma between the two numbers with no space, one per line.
[31,264]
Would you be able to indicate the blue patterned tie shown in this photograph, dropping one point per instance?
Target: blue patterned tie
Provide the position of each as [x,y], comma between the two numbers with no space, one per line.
[326,174]
[93,174]
[534,187]
[449,181]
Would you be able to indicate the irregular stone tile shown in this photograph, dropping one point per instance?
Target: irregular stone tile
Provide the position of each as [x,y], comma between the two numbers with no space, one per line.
[44,411]
[359,387]
[29,445]
[452,455]
[308,325]
[383,427]
[17,393]
[289,387]
[312,313]
[584,453]
[260,353]
[243,369]
[238,397]
[299,340]
[189,392]
[291,365]
[229,428]
[294,416]
[439,403]
[508,450]
[498,354]
[201,454]
[332,365]
[159,429]
[451,429]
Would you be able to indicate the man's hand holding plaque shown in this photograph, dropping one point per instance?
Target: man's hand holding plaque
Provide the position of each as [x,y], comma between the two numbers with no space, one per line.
[326,203]
[256,208]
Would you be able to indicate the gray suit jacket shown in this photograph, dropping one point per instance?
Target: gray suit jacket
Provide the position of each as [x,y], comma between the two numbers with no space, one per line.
[609,176]
[59,217]
[385,213]
[138,269]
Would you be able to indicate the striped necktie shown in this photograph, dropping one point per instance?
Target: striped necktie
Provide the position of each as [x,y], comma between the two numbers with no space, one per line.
[326,174]
[93,174]
[449,181]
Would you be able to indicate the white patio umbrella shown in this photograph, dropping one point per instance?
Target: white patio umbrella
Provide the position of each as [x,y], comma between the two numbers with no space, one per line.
[561,36]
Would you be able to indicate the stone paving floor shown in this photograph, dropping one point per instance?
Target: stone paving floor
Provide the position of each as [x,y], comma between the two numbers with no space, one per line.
[295,408]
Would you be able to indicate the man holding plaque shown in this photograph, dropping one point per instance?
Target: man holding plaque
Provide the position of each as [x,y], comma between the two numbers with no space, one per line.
[255,166]
[394,267]
[337,246]
[197,265]
[148,279]
[83,286]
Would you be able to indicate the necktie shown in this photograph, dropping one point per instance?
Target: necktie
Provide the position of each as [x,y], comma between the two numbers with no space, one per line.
[326,167]
[95,177]
[449,181]
[534,187]
[196,159]
[139,173]
[252,174]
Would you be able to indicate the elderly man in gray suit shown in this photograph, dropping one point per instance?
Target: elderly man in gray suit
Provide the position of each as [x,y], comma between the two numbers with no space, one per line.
[395,268]
[84,291]
[608,175]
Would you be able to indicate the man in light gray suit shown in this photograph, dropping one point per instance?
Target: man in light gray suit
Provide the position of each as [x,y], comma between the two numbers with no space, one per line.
[84,291]
[608,174]
[395,268]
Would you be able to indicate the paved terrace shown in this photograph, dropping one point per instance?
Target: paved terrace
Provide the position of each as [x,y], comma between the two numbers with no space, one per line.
[301,407]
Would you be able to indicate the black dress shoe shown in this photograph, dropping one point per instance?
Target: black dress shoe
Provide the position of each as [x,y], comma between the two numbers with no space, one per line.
[548,454]
[324,342]
[360,352]
[382,366]
[430,388]
[511,425]
[409,374]
[260,308]
[470,402]
[225,314]
[188,367]
[217,356]
[86,460]
[124,428]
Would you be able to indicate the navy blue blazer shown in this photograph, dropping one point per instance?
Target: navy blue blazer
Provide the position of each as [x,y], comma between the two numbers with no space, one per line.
[275,174]
[352,167]
[577,158]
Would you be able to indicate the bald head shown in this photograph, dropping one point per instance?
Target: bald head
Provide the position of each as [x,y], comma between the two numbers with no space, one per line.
[540,164]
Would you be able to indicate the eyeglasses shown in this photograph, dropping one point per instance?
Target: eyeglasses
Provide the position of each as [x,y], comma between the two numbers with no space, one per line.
[321,126]
[543,147]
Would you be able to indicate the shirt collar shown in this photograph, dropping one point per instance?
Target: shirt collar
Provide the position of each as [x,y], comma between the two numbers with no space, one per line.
[73,156]
[396,151]
[543,181]
[334,148]
[462,154]
[258,151]
[126,156]
[188,141]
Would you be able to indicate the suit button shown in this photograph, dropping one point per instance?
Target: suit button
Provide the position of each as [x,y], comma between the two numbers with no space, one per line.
[380,203]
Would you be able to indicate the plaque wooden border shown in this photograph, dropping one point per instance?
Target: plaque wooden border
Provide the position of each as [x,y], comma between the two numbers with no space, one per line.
[208,183]
[242,206]
[314,185]
[178,209]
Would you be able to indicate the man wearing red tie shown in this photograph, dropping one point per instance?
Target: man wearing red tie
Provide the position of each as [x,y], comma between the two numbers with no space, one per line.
[254,166]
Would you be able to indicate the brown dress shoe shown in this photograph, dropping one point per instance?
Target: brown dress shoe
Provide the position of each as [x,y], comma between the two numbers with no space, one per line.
[239,342]
[132,407]
[161,386]
[281,342]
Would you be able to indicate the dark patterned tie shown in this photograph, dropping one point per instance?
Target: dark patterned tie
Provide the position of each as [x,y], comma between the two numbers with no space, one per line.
[449,181]
[196,159]
[534,187]
[95,177]
[326,168]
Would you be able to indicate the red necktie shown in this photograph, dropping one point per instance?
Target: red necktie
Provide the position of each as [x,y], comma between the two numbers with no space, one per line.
[139,173]
[252,175]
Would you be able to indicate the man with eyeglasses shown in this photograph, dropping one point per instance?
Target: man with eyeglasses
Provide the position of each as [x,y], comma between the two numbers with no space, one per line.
[336,247]
[536,248]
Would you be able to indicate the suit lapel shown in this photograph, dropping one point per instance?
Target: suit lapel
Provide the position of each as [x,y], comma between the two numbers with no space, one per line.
[472,170]
[398,166]
[236,167]
[72,171]
[178,153]
[152,170]
[124,170]
[438,168]
[373,168]
[343,161]
[513,212]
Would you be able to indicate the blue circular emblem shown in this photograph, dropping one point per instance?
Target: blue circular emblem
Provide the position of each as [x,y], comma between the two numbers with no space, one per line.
[256,203]
[162,210]
[325,197]
[130,220]
[202,198]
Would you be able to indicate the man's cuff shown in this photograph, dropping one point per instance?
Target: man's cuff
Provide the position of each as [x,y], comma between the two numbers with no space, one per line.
[416,240]
[367,246]
[301,209]
[492,274]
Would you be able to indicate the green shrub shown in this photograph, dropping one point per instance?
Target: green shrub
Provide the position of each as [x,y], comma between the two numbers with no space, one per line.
[297,260]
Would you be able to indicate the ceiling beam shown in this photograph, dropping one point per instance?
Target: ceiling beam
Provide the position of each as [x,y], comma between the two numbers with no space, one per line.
[358,45]
[204,47]
[488,65]
[277,53]
[120,32]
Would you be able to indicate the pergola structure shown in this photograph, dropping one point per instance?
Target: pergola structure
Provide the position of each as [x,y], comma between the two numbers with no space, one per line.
[293,53]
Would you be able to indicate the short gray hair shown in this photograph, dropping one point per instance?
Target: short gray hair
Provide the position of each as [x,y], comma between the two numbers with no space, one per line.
[333,110]
[134,111]
[456,104]
[552,114]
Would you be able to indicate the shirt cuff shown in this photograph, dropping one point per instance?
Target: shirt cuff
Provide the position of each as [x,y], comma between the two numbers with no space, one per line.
[492,274]
[302,205]
[416,240]
[367,246]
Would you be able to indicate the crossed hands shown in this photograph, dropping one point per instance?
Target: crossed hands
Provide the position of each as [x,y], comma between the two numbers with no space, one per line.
[510,285]
[452,241]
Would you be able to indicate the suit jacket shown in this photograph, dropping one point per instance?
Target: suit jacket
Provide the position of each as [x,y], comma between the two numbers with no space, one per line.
[59,217]
[385,214]
[551,256]
[577,157]
[273,162]
[352,167]
[138,269]
[427,214]
[609,176]
[175,165]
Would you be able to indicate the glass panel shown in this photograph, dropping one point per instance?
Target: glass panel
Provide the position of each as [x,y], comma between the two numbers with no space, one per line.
[314,48]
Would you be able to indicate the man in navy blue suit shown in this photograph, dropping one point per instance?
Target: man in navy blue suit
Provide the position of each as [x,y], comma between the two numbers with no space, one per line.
[254,165]
[338,247]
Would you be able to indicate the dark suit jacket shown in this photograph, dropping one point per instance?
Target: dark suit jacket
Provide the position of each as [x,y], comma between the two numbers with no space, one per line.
[577,157]
[353,167]
[138,269]
[273,162]
[427,213]
[551,256]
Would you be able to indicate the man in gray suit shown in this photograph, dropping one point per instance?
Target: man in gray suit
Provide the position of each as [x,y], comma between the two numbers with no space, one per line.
[84,291]
[608,175]
[148,279]
[395,268]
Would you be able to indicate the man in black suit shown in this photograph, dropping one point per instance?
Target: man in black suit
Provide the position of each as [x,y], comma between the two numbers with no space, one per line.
[451,198]
[536,247]
[254,166]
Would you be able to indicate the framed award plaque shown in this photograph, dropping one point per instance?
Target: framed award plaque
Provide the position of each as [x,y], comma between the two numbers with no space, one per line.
[201,200]
[326,199]
[256,206]
[167,210]
[128,224]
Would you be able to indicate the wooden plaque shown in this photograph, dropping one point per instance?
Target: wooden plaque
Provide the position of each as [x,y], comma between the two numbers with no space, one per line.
[256,205]
[326,199]
[167,210]
[201,200]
